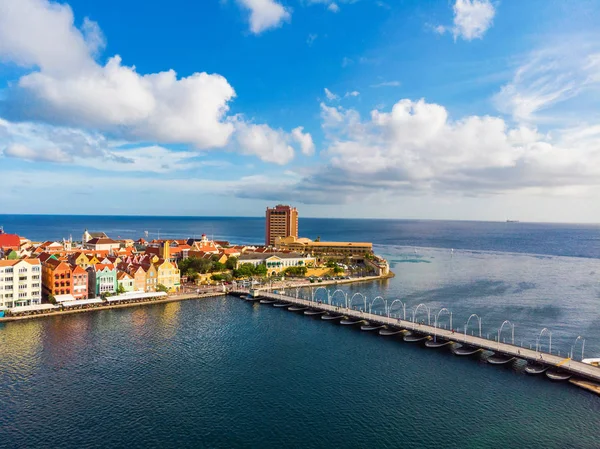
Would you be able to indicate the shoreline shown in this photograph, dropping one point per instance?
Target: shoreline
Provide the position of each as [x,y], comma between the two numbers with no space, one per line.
[181,297]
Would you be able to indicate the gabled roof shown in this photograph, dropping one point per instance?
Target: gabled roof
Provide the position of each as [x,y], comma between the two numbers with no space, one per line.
[123,275]
[79,270]
[11,263]
[102,241]
[9,241]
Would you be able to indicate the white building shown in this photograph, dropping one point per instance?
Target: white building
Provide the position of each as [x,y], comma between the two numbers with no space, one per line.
[100,244]
[20,283]
[276,262]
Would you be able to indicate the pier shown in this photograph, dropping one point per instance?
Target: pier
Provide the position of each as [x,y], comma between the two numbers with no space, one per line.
[564,367]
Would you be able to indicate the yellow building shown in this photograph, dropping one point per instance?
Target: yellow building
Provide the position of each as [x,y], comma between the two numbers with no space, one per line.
[335,250]
[81,260]
[168,275]
[275,262]
[151,278]
[167,272]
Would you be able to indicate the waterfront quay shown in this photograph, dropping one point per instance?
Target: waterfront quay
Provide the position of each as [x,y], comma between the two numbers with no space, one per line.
[504,352]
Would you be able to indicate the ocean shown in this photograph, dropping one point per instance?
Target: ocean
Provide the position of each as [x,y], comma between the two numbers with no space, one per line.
[226,373]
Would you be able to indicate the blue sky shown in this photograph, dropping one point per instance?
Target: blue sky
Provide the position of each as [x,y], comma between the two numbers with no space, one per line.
[461,109]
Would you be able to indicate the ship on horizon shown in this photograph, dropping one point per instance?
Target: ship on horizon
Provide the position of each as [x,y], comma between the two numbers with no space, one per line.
[512,221]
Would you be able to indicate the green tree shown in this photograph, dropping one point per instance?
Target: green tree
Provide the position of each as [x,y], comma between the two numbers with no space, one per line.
[162,288]
[217,266]
[51,299]
[260,270]
[231,263]
[120,289]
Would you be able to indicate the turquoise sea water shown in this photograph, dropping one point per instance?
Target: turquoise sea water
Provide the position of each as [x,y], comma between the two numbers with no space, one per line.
[226,373]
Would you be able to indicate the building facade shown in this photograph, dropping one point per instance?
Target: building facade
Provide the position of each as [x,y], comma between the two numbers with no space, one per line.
[20,283]
[281,221]
[276,262]
[80,283]
[101,279]
[57,278]
[125,282]
[325,250]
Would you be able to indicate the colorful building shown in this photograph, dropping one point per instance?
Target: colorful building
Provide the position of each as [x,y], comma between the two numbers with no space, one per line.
[276,262]
[102,278]
[125,282]
[57,278]
[80,283]
[20,283]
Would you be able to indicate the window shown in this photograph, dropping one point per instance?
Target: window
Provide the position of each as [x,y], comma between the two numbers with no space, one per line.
[22,270]
[9,270]
[36,268]
[37,276]
[23,295]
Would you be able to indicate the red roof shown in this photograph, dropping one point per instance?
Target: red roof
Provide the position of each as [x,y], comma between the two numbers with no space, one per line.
[10,241]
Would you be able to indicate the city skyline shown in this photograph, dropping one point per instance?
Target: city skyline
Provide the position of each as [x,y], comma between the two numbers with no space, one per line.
[469,109]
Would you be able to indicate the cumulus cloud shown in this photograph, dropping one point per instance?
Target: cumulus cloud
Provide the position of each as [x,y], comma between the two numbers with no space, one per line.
[36,142]
[472,18]
[265,14]
[417,147]
[305,141]
[353,93]
[68,88]
[261,140]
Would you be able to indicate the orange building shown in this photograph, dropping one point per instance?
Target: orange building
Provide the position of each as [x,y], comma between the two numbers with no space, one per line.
[80,283]
[57,278]
[281,221]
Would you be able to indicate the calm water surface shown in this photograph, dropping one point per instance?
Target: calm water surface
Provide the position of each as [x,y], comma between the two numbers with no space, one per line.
[225,373]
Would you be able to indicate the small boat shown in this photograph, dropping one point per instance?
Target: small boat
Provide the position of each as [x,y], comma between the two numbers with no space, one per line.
[535,368]
[331,317]
[558,374]
[281,304]
[268,301]
[297,308]
[500,359]
[251,298]
[437,344]
[312,312]
[392,331]
[466,350]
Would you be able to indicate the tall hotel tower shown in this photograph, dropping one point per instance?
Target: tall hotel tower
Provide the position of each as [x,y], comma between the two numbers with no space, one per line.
[282,221]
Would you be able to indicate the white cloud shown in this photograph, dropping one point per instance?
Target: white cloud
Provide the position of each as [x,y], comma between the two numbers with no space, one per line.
[353,93]
[265,14]
[70,90]
[472,18]
[386,84]
[551,76]
[260,140]
[330,95]
[417,148]
[311,39]
[305,141]
[333,7]
[19,151]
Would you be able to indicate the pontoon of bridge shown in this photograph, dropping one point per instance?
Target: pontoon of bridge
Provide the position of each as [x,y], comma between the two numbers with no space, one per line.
[574,367]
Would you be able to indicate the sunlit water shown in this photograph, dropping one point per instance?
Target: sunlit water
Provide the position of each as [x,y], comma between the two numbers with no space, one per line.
[226,373]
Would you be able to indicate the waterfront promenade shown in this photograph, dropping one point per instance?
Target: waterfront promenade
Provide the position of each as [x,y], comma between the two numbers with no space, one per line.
[574,367]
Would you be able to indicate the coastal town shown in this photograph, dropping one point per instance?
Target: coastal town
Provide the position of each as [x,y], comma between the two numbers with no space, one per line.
[50,276]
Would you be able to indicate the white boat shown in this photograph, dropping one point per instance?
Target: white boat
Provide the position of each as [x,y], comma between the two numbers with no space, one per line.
[593,362]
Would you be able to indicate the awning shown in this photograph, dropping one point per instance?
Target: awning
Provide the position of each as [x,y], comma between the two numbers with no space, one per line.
[133,295]
[81,302]
[63,298]
[33,308]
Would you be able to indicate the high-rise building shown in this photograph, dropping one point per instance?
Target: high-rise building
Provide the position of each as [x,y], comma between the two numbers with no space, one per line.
[282,221]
